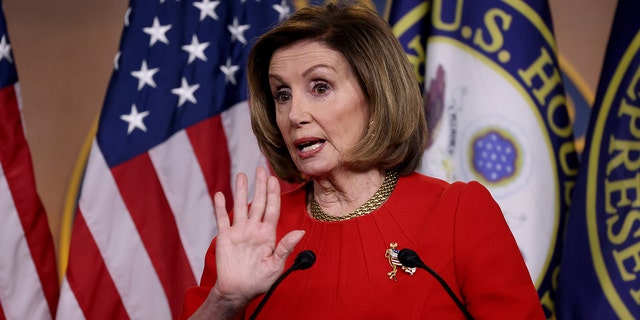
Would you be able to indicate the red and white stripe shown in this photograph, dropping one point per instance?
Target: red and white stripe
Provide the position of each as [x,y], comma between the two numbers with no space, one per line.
[143,227]
[28,275]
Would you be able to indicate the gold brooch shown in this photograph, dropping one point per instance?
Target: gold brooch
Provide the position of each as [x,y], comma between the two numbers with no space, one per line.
[392,255]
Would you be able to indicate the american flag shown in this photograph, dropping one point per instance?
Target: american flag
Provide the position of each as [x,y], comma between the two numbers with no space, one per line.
[174,129]
[28,275]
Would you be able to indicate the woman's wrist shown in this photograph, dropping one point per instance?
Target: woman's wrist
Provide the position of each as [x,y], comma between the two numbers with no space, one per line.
[220,305]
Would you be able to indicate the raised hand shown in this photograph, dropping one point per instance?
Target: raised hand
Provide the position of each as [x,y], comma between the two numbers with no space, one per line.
[248,260]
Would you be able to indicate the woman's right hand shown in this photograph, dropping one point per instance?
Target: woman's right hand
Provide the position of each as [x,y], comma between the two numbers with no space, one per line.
[248,260]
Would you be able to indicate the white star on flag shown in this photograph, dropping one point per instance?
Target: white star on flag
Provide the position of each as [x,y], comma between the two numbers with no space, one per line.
[207,9]
[196,49]
[282,9]
[145,75]
[185,92]
[135,119]
[116,65]
[5,49]
[126,17]
[157,32]
[237,31]
[229,71]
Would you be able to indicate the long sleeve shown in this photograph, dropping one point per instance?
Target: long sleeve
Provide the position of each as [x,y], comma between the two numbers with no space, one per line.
[490,270]
[195,296]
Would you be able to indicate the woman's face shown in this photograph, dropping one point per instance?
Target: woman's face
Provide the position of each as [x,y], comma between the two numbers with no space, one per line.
[321,110]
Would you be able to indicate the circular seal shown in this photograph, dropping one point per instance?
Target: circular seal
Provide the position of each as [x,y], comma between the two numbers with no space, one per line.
[497,112]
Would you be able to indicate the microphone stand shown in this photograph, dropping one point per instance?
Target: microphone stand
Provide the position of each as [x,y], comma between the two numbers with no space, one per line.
[304,260]
[410,258]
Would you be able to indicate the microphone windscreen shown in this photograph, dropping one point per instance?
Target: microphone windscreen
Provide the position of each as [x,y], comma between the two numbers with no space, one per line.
[305,260]
[409,258]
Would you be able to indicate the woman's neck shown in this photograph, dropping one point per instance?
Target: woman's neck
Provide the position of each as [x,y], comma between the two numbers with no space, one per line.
[342,192]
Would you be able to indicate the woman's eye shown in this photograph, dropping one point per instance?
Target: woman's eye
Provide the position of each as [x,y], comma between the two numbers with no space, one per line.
[321,88]
[282,96]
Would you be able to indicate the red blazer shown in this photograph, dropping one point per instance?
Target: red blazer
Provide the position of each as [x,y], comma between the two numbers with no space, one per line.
[457,229]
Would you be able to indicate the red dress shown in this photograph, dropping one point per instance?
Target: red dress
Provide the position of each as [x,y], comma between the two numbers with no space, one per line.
[457,229]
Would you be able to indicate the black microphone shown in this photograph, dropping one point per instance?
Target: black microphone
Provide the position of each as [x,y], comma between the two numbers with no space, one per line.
[410,258]
[304,260]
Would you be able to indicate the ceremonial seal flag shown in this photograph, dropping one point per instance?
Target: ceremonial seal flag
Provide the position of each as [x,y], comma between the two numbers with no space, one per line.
[174,129]
[497,113]
[600,273]
[410,21]
[28,274]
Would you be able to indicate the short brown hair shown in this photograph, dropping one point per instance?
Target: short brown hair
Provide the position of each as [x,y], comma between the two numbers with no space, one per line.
[397,133]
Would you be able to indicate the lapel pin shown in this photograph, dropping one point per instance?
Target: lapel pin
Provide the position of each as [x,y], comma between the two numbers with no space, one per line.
[392,256]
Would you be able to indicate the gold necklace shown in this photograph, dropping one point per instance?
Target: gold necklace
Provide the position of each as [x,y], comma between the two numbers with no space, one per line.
[389,183]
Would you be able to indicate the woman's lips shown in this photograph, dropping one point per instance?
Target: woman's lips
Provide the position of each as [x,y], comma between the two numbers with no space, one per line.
[308,148]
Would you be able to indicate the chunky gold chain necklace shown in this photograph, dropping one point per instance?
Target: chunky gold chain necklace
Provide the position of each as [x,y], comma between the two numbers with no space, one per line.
[389,183]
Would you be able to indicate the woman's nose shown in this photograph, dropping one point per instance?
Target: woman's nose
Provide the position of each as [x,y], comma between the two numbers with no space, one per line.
[299,113]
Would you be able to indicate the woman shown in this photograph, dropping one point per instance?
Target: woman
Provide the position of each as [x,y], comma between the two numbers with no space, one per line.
[335,105]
